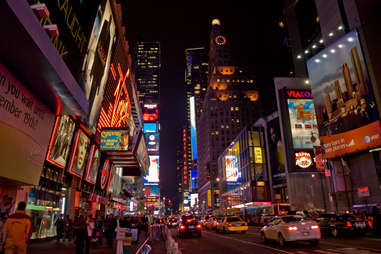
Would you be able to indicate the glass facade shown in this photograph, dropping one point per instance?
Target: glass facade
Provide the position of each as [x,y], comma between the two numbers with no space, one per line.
[242,169]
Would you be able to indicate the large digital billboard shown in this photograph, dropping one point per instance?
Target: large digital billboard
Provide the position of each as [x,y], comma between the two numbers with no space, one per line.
[303,124]
[115,140]
[153,171]
[345,107]
[151,189]
[233,174]
[150,127]
[193,127]
[152,141]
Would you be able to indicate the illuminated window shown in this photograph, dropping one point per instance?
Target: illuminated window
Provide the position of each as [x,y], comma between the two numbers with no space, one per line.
[231,108]
[236,108]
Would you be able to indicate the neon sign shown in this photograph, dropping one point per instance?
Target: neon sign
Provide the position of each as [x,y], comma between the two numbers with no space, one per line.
[303,159]
[299,94]
[105,173]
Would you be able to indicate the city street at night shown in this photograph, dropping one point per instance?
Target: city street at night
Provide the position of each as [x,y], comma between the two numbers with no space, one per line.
[193,127]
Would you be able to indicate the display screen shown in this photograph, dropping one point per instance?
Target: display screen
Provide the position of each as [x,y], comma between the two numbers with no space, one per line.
[276,150]
[115,140]
[193,127]
[152,141]
[345,107]
[153,171]
[93,164]
[151,189]
[303,124]
[81,147]
[61,141]
[233,174]
[149,127]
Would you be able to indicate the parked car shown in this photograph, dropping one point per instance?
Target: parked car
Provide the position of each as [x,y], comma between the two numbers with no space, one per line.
[189,226]
[291,228]
[232,224]
[338,225]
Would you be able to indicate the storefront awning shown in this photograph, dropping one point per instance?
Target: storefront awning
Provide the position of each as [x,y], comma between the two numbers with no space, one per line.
[26,49]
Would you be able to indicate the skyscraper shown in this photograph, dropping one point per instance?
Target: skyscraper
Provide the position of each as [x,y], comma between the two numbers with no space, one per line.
[196,77]
[148,84]
[230,104]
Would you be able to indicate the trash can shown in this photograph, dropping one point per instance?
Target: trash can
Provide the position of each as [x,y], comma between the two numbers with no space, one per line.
[127,243]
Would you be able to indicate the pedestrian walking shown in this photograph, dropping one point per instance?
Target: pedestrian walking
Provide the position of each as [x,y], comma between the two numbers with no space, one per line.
[89,229]
[17,231]
[68,228]
[99,227]
[110,230]
[60,226]
[80,234]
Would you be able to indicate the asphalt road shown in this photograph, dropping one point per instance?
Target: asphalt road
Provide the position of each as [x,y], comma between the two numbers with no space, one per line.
[211,242]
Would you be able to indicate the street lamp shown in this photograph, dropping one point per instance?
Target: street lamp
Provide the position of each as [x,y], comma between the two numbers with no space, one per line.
[217,179]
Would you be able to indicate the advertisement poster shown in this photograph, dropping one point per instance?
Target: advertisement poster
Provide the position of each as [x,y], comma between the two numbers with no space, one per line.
[303,124]
[152,140]
[152,189]
[153,171]
[106,169]
[61,140]
[81,152]
[276,148]
[231,169]
[96,64]
[345,107]
[115,140]
[93,165]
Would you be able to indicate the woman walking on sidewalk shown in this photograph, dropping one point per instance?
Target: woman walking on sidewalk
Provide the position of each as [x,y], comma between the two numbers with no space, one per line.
[80,234]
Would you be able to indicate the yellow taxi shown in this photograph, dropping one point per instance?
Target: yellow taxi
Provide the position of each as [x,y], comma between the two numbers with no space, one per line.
[232,224]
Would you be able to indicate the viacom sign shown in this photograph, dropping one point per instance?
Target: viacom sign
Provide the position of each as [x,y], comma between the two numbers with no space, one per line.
[299,94]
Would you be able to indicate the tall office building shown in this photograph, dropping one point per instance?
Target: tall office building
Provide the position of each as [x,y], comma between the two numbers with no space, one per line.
[196,77]
[230,104]
[148,84]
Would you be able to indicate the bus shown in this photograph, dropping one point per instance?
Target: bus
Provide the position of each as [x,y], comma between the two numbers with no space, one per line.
[259,213]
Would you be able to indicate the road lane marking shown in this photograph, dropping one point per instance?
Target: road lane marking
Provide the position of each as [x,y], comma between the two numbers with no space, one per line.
[255,244]
[341,245]
[325,252]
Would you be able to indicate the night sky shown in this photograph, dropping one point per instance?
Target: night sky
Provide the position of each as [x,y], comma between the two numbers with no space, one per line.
[255,40]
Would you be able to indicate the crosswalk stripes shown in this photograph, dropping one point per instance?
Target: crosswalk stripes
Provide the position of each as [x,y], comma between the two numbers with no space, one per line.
[338,251]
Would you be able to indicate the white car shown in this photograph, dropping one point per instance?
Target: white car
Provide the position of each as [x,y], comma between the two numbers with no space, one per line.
[289,228]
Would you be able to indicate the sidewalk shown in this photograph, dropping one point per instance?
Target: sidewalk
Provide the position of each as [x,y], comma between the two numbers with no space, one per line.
[52,247]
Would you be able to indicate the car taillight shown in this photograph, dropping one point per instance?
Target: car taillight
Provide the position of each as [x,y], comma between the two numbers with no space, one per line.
[292,228]
[245,223]
[229,224]
[198,226]
[349,224]
[182,227]
[314,227]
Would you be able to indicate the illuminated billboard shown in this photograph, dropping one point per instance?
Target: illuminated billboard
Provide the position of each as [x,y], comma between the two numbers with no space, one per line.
[152,141]
[60,142]
[93,165]
[233,174]
[115,140]
[149,127]
[345,107]
[193,127]
[80,153]
[151,189]
[303,124]
[153,171]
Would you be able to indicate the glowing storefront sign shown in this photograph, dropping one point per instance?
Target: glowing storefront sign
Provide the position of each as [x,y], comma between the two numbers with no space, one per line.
[303,159]
[105,173]
[115,140]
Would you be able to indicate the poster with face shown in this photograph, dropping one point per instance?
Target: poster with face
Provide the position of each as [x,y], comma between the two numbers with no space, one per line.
[93,165]
[61,140]
[81,152]
[277,159]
